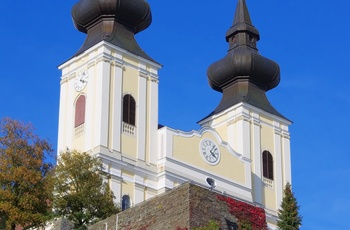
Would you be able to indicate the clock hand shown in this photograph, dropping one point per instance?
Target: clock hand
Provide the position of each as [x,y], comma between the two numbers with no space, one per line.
[211,151]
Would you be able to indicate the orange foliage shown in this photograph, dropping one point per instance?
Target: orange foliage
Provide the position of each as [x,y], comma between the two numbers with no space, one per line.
[24,175]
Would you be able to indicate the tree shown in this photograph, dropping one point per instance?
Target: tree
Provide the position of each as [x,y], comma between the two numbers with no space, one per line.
[80,193]
[25,186]
[288,215]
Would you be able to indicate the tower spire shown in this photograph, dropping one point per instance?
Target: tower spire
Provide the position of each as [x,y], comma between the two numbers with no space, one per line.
[242,14]
[242,21]
[243,75]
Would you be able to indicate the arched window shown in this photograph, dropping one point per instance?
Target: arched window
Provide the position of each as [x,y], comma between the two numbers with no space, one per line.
[129,109]
[80,111]
[125,202]
[267,165]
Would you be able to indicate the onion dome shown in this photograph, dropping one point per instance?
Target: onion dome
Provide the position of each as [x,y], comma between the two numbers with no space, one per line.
[114,21]
[243,75]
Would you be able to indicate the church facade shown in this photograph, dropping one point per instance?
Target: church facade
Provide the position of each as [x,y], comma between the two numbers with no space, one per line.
[109,108]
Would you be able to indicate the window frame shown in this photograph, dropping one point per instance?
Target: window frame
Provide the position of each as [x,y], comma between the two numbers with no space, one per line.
[129,109]
[126,202]
[79,110]
[268,170]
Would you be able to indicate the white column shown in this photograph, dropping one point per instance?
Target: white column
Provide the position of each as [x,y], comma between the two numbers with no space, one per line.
[71,95]
[153,120]
[278,174]
[242,137]
[139,189]
[63,114]
[116,183]
[287,175]
[116,188]
[102,102]
[89,107]
[141,114]
[117,95]
[256,143]
[231,130]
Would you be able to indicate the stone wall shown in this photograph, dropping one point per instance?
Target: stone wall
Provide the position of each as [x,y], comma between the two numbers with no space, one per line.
[205,207]
[185,207]
[58,224]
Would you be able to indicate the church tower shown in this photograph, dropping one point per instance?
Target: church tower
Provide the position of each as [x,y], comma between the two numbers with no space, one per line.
[109,95]
[244,117]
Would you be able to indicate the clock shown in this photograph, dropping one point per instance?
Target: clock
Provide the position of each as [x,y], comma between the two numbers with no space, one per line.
[210,151]
[81,80]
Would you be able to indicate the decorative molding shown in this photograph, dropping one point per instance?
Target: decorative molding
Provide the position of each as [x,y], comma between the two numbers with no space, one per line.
[129,129]
[143,75]
[104,58]
[155,80]
[268,183]
[142,69]
[110,46]
[91,64]
[119,63]
[250,108]
[79,130]
[201,132]
[255,118]
[285,134]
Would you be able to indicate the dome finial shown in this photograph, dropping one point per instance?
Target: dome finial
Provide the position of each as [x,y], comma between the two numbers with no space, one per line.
[242,22]
[242,14]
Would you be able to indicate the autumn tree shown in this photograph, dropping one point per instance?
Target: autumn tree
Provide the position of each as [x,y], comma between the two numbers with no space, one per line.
[25,188]
[288,215]
[80,194]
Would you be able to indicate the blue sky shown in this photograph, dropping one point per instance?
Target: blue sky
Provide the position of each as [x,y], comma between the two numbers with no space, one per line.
[309,40]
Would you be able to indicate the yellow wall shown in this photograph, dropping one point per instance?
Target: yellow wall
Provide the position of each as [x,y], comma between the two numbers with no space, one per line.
[129,145]
[130,82]
[269,198]
[267,137]
[188,150]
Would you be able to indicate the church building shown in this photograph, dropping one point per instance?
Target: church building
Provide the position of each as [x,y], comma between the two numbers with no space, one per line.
[109,109]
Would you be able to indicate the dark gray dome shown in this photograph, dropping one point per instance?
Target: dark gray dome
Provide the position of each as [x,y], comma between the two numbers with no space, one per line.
[134,14]
[113,21]
[243,62]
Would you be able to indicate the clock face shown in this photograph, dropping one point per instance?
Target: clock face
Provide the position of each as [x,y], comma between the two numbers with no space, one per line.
[210,151]
[81,80]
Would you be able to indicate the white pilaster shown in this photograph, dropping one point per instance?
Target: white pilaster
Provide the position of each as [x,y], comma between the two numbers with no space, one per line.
[287,176]
[63,114]
[89,109]
[278,164]
[243,140]
[102,102]
[69,119]
[139,193]
[153,119]
[256,143]
[116,188]
[117,95]
[141,114]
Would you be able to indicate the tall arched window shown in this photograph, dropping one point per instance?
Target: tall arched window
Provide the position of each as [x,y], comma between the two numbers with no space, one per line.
[129,109]
[125,202]
[267,165]
[79,111]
